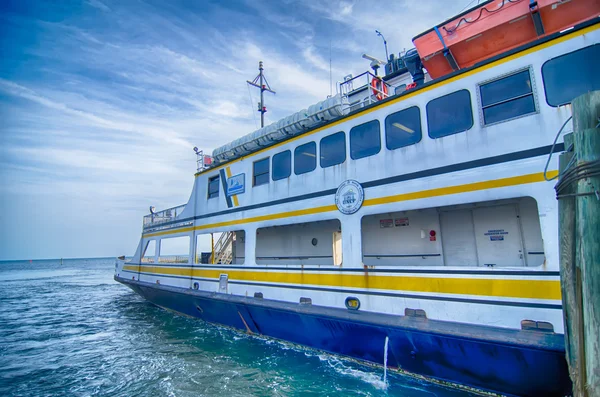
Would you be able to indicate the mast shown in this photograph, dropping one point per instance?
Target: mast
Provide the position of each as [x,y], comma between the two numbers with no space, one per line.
[261,82]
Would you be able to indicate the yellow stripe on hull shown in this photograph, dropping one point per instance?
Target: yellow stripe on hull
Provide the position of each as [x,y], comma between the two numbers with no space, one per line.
[469,187]
[525,289]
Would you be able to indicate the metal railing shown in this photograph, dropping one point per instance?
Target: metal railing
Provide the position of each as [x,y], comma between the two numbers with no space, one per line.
[163,216]
[173,259]
[347,87]
[224,248]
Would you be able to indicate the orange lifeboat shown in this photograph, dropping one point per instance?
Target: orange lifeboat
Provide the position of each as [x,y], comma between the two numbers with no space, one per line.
[494,27]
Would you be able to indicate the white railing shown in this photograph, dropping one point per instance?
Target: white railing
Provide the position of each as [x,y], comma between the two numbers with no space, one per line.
[350,85]
[173,259]
[163,216]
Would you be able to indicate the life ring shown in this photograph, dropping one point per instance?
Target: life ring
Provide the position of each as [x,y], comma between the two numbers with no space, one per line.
[379,88]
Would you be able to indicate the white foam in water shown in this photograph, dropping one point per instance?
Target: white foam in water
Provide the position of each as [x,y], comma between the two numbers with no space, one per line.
[368,377]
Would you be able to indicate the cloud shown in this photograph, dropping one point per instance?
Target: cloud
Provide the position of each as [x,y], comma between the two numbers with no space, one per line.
[102,105]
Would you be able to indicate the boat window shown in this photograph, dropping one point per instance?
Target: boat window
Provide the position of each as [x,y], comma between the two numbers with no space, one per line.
[149,252]
[174,250]
[260,172]
[403,128]
[213,186]
[449,114]
[365,140]
[305,158]
[221,248]
[282,165]
[507,98]
[333,149]
[570,75]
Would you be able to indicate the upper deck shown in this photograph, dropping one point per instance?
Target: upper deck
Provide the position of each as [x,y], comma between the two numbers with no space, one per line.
[505,110]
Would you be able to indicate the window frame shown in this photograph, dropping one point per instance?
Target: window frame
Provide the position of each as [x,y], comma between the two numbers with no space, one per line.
[500,77]
[273,165]
[295,156]
[378,135]
[420,124]
[443,96]
[321,149]
[211,179]
[254,175]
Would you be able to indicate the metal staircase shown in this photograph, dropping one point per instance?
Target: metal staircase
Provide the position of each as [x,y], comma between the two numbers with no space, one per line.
[223,251]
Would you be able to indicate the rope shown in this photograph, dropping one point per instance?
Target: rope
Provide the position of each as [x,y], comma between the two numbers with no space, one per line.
[581,171]
[552,151]
[463,19]
[252,106]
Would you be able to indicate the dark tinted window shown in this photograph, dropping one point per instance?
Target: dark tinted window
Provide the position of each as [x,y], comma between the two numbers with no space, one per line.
[365,140]
[213,186]
[507,98]
[282,165]
[572,74]
[305,158]
[449,114]
[333,149]
[260,172]
[403,128]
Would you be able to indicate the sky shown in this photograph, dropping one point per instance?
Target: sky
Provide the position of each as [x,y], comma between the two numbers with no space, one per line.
[102,101]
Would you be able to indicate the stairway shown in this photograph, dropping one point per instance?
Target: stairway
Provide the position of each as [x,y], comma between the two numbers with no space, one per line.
[223,251]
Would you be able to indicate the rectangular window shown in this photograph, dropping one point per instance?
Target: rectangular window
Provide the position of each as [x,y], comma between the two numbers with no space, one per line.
[260,172]
[449,114]
[213,186]
[149,252]
[305,158]
[333,149]
[365,140]
[570,75]
[282,165]
[403,128]
[507,98]
[174,250]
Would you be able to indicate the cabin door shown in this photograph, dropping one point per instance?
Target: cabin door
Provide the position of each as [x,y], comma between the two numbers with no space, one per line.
[498,236]
[458,238]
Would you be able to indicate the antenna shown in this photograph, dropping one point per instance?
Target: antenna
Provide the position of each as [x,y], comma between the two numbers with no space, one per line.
[375,63]
[387,57]
[260,81]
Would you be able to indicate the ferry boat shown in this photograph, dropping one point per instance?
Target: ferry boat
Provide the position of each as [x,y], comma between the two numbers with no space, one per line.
[406,217]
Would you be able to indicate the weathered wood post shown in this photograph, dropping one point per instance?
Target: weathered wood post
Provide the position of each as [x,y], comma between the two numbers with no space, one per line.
[569,274]
[586,138]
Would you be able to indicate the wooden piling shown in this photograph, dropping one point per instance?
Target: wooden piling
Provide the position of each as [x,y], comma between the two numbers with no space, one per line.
[586,138]
[571,296]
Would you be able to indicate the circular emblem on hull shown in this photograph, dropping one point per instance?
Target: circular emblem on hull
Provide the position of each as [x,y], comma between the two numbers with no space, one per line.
[349,197]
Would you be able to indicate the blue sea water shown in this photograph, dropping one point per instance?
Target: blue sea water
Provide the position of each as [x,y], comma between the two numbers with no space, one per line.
[71,330]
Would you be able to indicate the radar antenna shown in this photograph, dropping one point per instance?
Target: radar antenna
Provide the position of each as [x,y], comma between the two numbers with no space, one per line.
[261,82]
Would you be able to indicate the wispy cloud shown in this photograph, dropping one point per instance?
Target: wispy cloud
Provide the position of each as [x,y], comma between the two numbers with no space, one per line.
[102,103]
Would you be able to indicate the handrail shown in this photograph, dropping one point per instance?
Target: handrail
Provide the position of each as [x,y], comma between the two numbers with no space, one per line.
[347,87]
[163,216]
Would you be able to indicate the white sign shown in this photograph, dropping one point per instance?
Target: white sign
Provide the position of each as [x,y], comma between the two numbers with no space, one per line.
[349,197]
[236,184]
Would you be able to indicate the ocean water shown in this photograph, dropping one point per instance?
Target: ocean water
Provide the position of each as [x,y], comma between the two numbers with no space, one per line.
[71,330]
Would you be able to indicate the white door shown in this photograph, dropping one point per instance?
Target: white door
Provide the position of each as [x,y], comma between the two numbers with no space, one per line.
[458,238]
[498,236]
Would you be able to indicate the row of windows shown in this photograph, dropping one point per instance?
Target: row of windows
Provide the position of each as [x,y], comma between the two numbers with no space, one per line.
[502,99]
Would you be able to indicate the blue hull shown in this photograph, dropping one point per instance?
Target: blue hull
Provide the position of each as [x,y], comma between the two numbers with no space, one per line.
[513,362]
